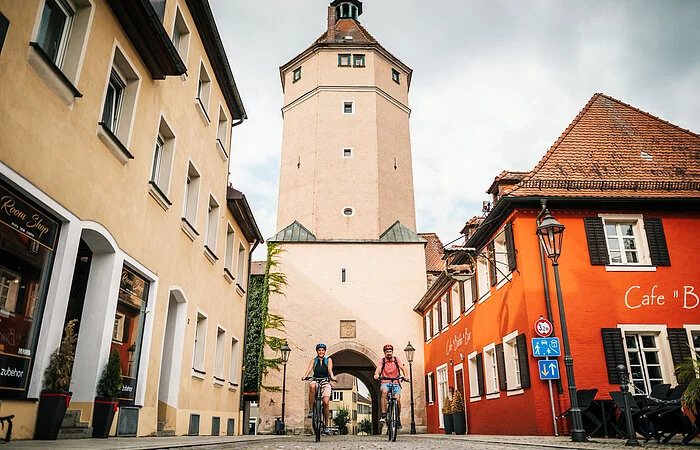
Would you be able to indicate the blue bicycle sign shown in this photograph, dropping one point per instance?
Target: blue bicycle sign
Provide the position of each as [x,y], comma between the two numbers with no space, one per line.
[545,347]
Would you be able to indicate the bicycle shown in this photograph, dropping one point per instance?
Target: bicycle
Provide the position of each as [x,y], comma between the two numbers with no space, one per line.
[317,409]
[392,409]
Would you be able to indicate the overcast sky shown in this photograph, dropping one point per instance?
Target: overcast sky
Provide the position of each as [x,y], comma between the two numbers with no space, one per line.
[494,84]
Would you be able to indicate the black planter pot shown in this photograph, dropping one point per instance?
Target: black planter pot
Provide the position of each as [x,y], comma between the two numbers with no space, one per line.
[49,417]
[103,416]
[460,423]
[449,424]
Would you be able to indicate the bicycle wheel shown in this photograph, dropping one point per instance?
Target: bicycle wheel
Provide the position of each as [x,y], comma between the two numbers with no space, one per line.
[390,421]
[395,422]
[318,419]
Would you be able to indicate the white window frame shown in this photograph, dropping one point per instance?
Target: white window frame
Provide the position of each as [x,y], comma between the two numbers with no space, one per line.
[426,321]
[212,231]
[442,385]
[469,300]
[337,396]
[203,93]
[482,277]
[233,364]
[473,377]
[491,384]
[456,302]
[199,344]
[181,34]
[665,357]
[222,133]
[637,221]
[690,329]
[436,323]
[503,273]
[229,256]
[512,361]
[241,267]
[443,311]
[431,391]
[219,355]
[352,107]
[190,203]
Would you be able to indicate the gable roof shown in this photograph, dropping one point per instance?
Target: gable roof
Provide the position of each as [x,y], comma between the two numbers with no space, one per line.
[433,253]
[505,176]
[399,233]
[612,149]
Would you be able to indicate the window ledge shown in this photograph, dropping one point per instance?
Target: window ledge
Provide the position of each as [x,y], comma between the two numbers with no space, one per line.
[202,112]
[474,399]
[485,297]
[232,386]
[519,391]
[209,253]
[54,78]
[470,309]
[622,268]
[240,290]
[219,382]
[188,229]
[504,281]
[159,196]
[456,321]
[221,149]
[112,142]
[200,374]
[429,341]
[228,275]
[444,329]
[493,396]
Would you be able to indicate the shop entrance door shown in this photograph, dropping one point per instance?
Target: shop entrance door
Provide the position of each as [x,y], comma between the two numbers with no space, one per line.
[76,299]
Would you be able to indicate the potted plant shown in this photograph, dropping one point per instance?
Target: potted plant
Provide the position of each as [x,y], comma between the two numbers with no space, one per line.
[55,397]
[108,391]
[459,415]
[687,373]
[447,415]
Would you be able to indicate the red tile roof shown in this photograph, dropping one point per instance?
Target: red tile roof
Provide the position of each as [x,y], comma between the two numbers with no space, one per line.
[507,175]
[433,253]
[612,149]
[348,27]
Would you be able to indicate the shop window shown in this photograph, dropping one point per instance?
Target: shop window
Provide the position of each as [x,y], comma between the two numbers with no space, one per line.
[26,257]
[191,201]
[233,367]
[228,258]
[491,370]
[181,35]
[200,339]
[212,227]
[219,355]
[127,334]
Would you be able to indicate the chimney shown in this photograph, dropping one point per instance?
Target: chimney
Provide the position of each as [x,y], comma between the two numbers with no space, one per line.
[330,34]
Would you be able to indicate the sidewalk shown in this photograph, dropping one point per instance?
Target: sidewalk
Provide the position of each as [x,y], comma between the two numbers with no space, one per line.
[141,443]
[560,441]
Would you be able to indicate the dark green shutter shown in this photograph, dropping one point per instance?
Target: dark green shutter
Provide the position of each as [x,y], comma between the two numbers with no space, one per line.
[462,298]
[432,331]
[657,242]
[480,372]
[501,363]
[475,290]
[614,350]
[448,297]
[510,248]
[427,389]
[521,343]
[678,341]
[439,313]
[425,329]
[597,247]
[492,263]
[434,383]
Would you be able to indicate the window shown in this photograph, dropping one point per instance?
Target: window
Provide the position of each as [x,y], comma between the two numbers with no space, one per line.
[430,393]
[55,29]
[455,298]
[501,259]
[118,330]
[203,93]
[473,376]
[344,60]
[200,338]
[348,211]
[181,36]
[358,60]
[623,247]
[395,75]
[644,360]
[296,75]
[512,361]
[343,275]
[468,289]
[436,319]
[162,162]
[483,277]
[696,341]
[347,153]
[444,311]
[337,396]
[233,367]
[191,201]
[442,389]
[491,369]
[212,225]
[426,327]
[228,257]
[240,274]
[348,107]
[113,101]
[219,355]
[222,134]
[626,242]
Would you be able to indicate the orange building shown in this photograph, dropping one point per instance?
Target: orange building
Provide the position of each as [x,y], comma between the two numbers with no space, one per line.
[626,185]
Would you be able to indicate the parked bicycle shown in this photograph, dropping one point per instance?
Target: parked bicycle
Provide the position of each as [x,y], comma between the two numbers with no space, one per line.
[392,409]
[317,409]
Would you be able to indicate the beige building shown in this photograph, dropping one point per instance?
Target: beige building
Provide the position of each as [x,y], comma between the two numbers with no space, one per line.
[344,396]
[115,210]
[364,409]
[346,214]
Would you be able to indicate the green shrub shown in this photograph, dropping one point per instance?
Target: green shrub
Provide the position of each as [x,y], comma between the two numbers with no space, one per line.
[365,426]
[58,372]
[342,417]
[110,385]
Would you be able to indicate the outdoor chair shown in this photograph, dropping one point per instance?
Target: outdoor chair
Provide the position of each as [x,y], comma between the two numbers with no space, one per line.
[636,412]
[668,420]
[585,399]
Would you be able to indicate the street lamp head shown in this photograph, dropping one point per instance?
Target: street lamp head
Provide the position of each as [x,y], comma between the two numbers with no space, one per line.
[410,351]
[551,234]
[285,352]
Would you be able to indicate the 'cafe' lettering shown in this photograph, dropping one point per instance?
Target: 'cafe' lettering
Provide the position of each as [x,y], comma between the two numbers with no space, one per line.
[635,298]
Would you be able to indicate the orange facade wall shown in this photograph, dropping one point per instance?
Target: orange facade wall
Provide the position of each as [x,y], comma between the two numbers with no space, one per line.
[594,298]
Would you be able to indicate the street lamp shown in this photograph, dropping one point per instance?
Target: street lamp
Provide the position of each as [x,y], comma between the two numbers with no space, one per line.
[285,357]
[410,351]
[550,233]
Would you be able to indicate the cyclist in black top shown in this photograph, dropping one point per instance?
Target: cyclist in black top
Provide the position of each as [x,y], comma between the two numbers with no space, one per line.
[322,367]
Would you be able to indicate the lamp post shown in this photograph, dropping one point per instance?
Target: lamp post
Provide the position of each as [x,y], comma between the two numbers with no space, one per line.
[285,357]
[410,351]
[551,233]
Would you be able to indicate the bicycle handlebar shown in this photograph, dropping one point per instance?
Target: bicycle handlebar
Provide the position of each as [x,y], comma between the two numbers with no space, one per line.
[394,379]
[316,379]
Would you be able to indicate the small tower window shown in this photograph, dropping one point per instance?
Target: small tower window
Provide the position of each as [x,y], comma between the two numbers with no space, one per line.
[395,75]
[348,211]
[344,60]
[296,76]
[348,107]
[343,275]
[358,60]
[347,153]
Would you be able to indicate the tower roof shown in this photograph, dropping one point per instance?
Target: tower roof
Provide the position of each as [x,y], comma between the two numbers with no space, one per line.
[357,3]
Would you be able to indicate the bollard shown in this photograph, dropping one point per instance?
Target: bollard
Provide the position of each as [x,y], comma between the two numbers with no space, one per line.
[624,388]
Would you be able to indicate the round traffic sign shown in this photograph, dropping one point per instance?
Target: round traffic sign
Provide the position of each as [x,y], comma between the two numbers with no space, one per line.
[543,327]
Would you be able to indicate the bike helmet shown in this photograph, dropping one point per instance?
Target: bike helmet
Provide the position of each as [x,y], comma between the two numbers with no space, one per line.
[323,346]
[388,347]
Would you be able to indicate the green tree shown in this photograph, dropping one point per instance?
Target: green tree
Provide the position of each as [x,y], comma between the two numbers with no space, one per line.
[341,419]
[365,426]
[110,385]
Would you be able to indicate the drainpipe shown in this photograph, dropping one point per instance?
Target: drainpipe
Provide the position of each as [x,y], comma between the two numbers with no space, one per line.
[241,405]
